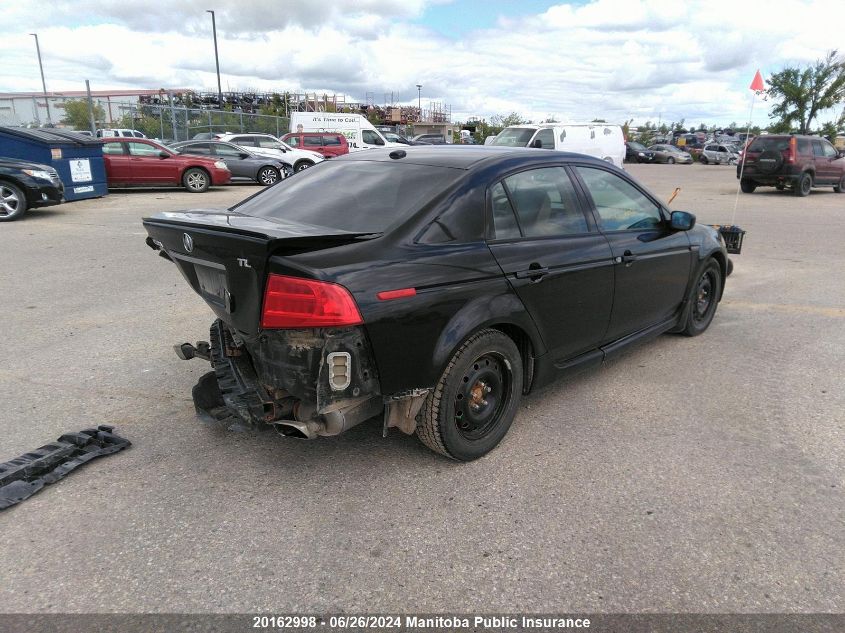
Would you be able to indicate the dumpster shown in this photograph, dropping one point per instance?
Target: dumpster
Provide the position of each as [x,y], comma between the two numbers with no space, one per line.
[77,158]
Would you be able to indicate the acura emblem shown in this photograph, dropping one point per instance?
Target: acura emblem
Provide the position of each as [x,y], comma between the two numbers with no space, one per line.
[187,242]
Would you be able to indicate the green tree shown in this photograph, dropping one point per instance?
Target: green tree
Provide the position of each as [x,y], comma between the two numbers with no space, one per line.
[76,114]
[801,93]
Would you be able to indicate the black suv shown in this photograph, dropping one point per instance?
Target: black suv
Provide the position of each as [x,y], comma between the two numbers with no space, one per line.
[790,160]
[26,185]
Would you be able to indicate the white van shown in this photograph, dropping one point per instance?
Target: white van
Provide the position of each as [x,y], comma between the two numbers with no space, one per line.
[594,139]
[359,133]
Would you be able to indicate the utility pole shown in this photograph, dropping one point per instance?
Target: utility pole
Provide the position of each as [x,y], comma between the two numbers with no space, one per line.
[43,83]
[216,59]
[419,99]
[91,123]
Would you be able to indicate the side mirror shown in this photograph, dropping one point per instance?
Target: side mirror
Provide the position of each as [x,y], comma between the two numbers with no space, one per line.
[163,154]
[537,143]
[682,220]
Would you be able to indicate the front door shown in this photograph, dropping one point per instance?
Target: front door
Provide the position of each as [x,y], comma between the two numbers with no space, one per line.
[651,261]
[554,258]
[149,167]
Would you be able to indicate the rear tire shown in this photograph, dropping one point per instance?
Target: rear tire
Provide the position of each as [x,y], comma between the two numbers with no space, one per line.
[703,299]
[804,185]
[196,180]
[840,188]
[12,202]
[268,176]
[475,400]
[747,186]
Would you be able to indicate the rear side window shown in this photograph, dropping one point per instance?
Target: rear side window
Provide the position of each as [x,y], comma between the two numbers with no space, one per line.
[818,150]
[544,201]
[269,143]
[804,146]
[195,148]
[112,149]
[504,219]
[312,140]
[244,140]
[127,133]
[355,196]
[620,205]
[138,135]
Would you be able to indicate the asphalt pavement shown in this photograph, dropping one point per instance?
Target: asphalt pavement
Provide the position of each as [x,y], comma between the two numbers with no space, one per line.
[692,474]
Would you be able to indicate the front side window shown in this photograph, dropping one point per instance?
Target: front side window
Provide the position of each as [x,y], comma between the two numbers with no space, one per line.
[296,141]
[228,151]
[829,150]
[142,149]
[546,138]
[620,205]
[371,138]
[818,150]
[312,141]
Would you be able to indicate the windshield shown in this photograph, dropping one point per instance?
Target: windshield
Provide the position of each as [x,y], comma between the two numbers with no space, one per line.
[514,137]
[355,196]
[636,146]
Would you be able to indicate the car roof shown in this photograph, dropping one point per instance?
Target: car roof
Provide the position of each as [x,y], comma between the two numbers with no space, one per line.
[461,156]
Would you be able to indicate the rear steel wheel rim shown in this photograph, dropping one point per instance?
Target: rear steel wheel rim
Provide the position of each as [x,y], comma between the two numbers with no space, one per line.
[9,201]
[703,297]
[482,396]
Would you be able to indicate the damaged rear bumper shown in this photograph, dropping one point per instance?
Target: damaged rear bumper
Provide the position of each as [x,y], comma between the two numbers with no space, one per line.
[306,383]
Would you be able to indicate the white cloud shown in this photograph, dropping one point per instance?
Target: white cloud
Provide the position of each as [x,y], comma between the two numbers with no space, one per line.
[613,59]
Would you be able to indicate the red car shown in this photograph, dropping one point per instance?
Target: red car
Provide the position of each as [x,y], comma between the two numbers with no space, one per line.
[140,161]
[329,144]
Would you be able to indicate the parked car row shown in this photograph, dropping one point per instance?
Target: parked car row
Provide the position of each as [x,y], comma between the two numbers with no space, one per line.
[660,153]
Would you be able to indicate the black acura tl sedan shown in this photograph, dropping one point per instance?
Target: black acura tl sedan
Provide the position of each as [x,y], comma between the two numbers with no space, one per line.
[432,287]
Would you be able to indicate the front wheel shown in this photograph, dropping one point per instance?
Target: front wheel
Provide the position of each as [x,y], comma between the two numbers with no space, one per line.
[702,159]
[703,299]
[747,186]
[475,401]
[670,160]
[195,180]
[840,188]
[12,202]
[304,164]
[268,176]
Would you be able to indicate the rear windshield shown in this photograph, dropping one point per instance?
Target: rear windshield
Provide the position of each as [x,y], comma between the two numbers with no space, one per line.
[762,144]
[356,196]
[514,137]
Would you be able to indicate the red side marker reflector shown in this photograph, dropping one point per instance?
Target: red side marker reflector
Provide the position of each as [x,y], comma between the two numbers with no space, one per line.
[386,295]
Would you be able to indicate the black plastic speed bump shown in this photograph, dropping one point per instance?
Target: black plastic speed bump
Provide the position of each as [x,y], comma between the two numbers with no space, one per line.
[22,477]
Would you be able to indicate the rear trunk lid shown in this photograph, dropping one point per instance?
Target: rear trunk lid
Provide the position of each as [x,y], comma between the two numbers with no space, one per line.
[223,255]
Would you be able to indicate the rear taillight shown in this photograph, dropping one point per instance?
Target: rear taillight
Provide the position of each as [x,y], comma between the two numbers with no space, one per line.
[292,302]
[790,153]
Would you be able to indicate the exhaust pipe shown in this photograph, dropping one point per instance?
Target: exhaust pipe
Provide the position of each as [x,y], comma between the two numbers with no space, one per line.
[332,423]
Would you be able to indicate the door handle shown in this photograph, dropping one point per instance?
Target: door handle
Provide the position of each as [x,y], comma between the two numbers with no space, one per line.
[535,272]
[628,258]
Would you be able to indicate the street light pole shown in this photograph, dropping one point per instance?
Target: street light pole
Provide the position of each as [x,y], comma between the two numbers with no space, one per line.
[419,99]
[216,59]
[43,83]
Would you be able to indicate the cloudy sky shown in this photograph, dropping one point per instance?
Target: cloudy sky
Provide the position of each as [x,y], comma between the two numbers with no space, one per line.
[612,59]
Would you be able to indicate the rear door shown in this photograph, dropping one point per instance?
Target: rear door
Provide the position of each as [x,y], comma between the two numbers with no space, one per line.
[651,262]
[233,157]
[116,159]
[553,256]
[313,142]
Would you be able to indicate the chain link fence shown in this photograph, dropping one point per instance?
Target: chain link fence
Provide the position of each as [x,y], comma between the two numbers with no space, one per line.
[177,123]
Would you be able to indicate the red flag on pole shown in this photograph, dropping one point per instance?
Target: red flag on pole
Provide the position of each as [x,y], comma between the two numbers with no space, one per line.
[757,84]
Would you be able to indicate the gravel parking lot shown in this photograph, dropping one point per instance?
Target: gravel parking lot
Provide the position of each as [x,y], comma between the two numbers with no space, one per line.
[701,475]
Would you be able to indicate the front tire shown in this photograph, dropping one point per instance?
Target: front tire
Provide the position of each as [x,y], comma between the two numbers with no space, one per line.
[804,186]
[196,180]
[303,164]
[704,299]
[670,161]
[747,186]
[268,176]
[476,399]
[12,202]
[840,188]
[702,159]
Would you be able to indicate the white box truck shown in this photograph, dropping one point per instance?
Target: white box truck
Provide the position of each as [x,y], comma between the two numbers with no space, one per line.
[600,140]
[359,133]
